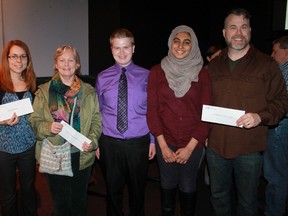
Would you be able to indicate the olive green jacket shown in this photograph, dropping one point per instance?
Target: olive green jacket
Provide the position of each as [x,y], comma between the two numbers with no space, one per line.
[90,121]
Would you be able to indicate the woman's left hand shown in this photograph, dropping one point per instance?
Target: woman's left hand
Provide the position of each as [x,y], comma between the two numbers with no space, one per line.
[182,155]
[87,147]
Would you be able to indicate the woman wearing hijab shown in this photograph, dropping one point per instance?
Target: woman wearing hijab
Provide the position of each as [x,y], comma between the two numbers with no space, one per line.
[177,89]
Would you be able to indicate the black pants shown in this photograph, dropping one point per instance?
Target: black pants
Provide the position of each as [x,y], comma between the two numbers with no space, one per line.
[25,164]
[181,176]
[69,194]
[125,162]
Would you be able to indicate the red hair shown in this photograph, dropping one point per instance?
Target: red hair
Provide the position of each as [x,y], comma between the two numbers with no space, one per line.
[28,74]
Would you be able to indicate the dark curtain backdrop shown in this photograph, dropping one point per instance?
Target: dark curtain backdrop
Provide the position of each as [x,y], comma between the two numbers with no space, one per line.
[152,21]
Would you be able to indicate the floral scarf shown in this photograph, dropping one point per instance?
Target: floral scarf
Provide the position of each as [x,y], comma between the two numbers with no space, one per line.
[61,100]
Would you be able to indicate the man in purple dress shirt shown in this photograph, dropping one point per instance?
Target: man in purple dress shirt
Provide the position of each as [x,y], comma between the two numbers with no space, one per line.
[124,156]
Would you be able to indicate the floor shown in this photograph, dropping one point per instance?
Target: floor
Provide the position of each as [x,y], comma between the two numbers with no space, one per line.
[96,195]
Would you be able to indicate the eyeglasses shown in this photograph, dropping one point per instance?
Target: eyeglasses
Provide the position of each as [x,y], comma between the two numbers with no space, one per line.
[16,57]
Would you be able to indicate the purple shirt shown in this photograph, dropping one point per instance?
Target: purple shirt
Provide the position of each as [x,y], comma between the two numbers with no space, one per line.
[107,90]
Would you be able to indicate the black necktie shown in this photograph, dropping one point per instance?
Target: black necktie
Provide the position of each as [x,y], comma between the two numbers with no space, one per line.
[122,106]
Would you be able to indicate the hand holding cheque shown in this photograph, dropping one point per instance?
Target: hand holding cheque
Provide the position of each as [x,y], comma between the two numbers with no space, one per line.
[74,137]
[18,108]
[227,116]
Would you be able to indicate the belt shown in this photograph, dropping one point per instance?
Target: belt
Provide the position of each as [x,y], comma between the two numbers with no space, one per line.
[126,140]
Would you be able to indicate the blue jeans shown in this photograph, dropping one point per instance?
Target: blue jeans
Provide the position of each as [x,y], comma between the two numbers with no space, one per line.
[276,170]
[246,172]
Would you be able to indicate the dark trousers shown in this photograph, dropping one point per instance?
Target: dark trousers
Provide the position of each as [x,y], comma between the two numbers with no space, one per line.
[181,176]
[125,162]
[26,165]
[69,194]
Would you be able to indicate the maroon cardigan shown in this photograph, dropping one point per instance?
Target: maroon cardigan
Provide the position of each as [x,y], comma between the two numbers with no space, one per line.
[177,119]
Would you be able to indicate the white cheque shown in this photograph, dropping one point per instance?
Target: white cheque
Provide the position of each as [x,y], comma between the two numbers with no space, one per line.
[20,107]
[73,136]
[221,115]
